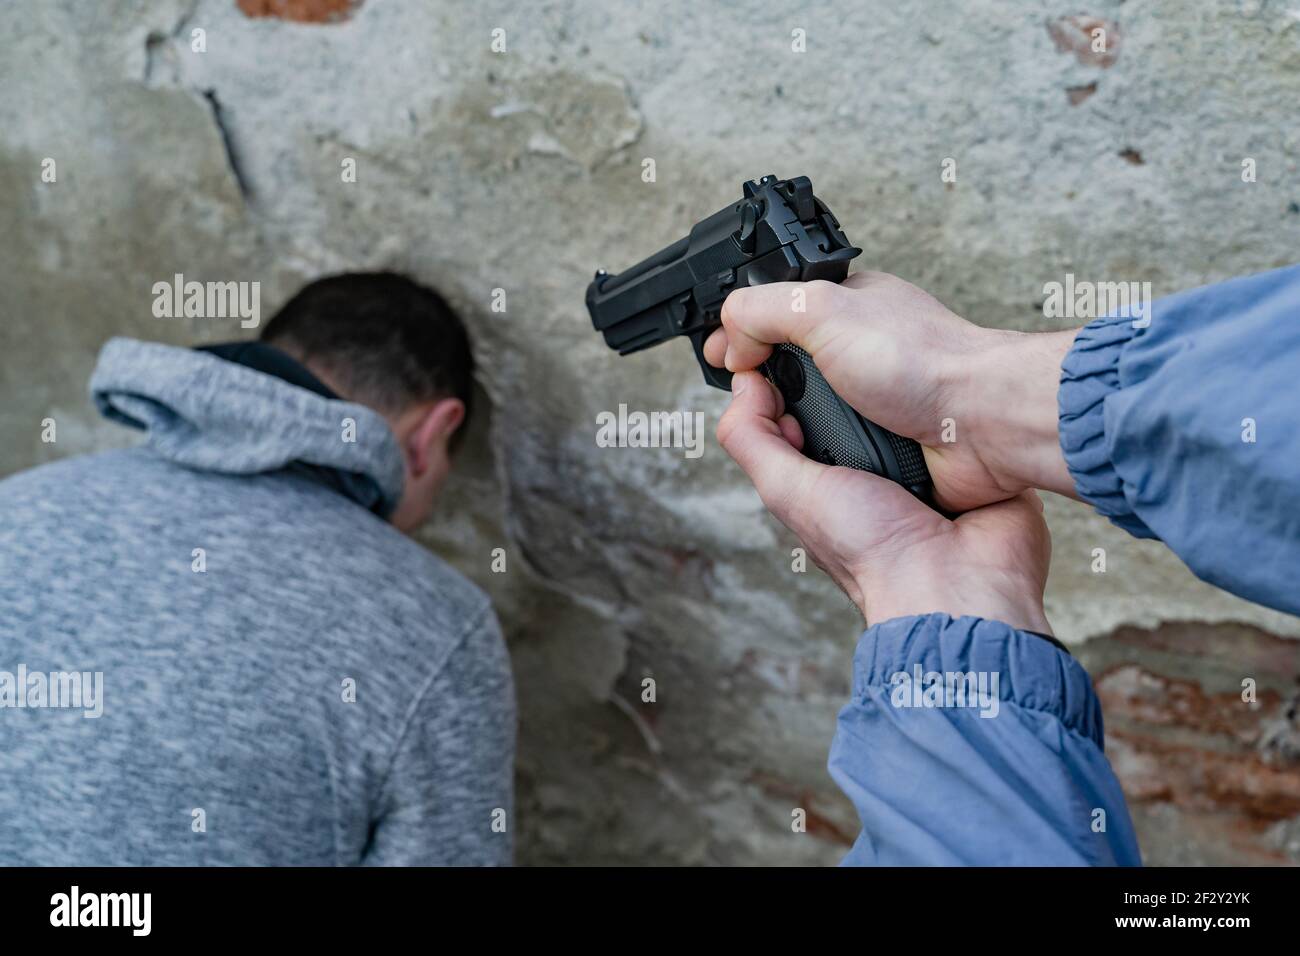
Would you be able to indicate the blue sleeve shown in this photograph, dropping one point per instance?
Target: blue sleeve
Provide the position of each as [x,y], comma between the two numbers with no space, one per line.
[1188,429]
[968,742]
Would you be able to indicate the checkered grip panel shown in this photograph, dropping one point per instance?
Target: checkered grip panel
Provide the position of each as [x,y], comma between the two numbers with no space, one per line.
[827,436]
[911,460]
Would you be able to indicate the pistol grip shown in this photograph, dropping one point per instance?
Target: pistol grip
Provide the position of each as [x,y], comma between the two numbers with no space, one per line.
[833,431]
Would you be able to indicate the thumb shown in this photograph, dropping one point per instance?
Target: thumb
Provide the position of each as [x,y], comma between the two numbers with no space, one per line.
[750,431]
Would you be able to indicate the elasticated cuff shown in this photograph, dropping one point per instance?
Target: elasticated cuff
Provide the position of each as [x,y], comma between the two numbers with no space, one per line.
[1032,673]
[1089,373]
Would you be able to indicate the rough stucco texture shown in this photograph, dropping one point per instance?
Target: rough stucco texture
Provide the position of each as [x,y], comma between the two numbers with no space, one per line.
[521,170]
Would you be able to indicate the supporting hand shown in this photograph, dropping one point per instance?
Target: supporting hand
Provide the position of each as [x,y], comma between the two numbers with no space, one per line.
[981,401]
[890,553]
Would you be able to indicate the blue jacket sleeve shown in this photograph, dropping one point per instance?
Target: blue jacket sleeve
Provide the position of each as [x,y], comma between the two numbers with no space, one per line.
[1188,429]
[969,742]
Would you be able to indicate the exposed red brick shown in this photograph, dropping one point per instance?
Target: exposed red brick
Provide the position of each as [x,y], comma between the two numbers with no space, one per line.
[818,824]
[1074,35]
[1196,778]
[1077,94]
[301,11]
[1208,774]
[1139,694]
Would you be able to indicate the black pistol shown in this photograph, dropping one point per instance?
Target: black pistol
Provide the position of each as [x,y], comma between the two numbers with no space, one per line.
[778,232]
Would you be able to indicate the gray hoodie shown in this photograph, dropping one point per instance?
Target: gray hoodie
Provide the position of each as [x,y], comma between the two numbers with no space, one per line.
[208,656]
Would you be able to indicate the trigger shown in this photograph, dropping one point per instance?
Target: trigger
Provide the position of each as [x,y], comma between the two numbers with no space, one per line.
[786,373]
[717,377]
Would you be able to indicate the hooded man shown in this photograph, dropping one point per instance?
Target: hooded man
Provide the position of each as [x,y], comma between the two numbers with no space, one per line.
[267,669]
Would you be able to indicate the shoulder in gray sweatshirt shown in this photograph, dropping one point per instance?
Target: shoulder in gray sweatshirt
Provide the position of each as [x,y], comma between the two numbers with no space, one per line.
[210,656]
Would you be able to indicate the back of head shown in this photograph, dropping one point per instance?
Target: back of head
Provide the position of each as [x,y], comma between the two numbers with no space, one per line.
[384,340]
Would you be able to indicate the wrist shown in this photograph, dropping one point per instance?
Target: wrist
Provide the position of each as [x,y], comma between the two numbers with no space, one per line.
[1010,386]
[932,582]
[1018,611]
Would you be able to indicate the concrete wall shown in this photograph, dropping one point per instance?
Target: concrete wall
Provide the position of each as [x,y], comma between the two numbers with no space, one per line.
[522,170]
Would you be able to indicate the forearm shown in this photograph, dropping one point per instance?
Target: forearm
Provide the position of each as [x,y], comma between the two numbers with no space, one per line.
[1186,428]
[1018,721]
[1010,387]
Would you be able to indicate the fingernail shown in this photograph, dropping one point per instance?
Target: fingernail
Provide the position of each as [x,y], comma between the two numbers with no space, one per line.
[726,359]
[739,384]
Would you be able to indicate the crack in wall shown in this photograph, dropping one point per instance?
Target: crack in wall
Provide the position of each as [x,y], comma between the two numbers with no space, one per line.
[162,67]
[156,42]
[228,143]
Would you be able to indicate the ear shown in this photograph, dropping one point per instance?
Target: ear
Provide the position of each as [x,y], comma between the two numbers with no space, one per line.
[431,429]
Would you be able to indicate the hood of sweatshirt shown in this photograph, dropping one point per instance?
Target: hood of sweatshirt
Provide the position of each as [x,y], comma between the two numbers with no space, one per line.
[212,414]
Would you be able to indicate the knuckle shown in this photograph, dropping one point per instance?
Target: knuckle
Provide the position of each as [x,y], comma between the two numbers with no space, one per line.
[726,429]
[736,308]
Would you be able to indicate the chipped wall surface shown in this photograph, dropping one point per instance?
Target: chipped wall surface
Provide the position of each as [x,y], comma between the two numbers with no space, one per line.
[521,170]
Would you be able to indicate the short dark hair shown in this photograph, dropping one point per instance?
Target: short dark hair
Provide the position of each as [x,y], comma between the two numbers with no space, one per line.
[386,340]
